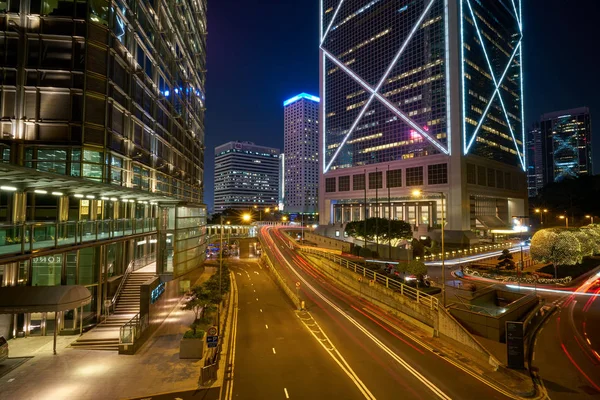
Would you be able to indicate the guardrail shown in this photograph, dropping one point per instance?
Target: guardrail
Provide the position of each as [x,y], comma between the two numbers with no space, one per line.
[132,330]
[397,286]
[282,282]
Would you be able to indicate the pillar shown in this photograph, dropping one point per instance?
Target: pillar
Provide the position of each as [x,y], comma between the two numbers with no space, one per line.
[18,207]
[63,209]
[93,210]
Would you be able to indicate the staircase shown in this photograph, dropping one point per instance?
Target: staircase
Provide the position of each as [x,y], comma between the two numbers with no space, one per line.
[105,336]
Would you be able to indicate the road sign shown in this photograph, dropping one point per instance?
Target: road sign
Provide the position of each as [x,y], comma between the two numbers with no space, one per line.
[212,331]
[212,341]
[297,284]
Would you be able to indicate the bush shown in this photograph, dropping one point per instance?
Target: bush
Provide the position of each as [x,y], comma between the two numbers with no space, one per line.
[190,334]
[364,252]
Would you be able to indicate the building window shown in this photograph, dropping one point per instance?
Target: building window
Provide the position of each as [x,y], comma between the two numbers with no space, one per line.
[358,182]
[414,176]
[491,177]
[507,180]
[471,174]
[481,176]
[437,174]
[330,185]
[344,183]
[394,178]
[499,179]
[375,180]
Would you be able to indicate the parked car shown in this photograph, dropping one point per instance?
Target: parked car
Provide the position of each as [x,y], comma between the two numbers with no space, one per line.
[3,349]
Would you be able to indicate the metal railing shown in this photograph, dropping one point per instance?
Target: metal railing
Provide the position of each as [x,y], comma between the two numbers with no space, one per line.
[370,275]
[33,236]
[132,330]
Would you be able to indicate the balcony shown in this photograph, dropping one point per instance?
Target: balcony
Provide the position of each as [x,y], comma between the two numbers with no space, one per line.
[35,236]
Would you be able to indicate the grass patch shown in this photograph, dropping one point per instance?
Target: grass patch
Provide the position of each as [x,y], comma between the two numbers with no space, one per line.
[574,271]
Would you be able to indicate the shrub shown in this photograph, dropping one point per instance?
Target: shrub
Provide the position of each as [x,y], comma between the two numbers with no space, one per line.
[199,334]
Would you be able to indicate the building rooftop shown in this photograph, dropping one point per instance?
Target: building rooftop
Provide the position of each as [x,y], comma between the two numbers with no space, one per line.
[300,97]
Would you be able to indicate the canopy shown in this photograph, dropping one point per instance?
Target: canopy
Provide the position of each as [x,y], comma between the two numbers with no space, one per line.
[491,221]
[28,299]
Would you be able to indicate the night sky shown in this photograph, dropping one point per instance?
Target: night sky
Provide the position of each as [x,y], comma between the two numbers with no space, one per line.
[262,52]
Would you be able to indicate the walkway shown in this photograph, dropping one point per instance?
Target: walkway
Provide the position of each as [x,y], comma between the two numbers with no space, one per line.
[103,375]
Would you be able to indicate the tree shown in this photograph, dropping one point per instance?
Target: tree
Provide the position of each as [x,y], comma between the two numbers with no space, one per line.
[542,244]
[377,229]
[417,268]
[197,298]
[559,247]
[588,247]
[505,260]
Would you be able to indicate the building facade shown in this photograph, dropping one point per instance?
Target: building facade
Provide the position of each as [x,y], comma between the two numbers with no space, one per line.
[428,96]
[301,148]
[102,146]
[246,175]
[567,144]
[535,170]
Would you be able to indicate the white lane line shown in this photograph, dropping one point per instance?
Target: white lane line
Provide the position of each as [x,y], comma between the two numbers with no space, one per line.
[437,391]
[254,290]
[266,326]
[274,350]
[287,396]
[261,310]
[257,299]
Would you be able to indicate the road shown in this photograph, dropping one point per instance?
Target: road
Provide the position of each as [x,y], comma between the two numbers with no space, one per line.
[388,363]
[567,351]
[276,356]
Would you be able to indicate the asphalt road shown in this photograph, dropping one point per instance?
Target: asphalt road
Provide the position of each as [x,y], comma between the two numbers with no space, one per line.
[567,350]
[388,363]
[276,356]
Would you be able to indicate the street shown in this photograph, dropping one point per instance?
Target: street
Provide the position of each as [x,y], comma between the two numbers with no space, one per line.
[388,362]
[276,357]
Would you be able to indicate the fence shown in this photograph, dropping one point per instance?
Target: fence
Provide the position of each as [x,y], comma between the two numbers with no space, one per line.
[484,248]
[280,280]
[390,283]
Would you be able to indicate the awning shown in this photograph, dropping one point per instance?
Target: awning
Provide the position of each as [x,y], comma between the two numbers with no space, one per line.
[28,299]
[491,222]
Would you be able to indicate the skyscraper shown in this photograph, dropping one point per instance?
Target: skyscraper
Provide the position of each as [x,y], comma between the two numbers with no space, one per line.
[428,94]
[535,170]
[102,133]
[567,144]
[246,175]
[301,148]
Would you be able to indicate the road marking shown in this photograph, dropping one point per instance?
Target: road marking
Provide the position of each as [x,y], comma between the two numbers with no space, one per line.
[257,299]
[274,350]
[229,384]
[256,272]
[261,310]
[254,290]
[266,326]
[10,380]
[437,391]
[287,396]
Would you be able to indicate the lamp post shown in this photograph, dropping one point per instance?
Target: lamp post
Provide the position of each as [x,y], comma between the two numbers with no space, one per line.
[417,193]
[566,220]
[541,212]
[220,280]
[591,217]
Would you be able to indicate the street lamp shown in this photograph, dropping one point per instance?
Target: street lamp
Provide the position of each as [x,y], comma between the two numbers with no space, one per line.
[566,220]
[541,212]
[590,217]
[417,193]
[284,218]
[246,217]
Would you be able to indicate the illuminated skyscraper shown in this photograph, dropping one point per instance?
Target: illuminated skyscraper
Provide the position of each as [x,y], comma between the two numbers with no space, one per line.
[423,94]
[301,148]
[567,144]
[102,137]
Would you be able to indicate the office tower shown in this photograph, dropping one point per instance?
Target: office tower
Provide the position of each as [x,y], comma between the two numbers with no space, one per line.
[102,133]
[281,181]
[423,95]
[301,148]
[535,171]
[246,175]
[567,144]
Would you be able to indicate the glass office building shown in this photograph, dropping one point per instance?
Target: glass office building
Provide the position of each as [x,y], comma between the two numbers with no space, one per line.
[423,95]
[102,140]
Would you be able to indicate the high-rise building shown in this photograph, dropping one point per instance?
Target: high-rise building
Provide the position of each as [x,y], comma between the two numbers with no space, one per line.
[301,148]
[102,133]
[423,95]
[246,175]
[535,171]
[567,144]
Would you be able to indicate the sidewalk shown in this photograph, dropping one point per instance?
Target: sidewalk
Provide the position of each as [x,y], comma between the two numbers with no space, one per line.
[93,374]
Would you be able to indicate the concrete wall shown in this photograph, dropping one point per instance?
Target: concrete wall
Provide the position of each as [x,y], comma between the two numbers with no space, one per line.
[329,243]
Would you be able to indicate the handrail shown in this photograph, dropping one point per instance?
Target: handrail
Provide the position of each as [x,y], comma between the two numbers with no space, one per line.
[132,329]
[128,271]
[390,283]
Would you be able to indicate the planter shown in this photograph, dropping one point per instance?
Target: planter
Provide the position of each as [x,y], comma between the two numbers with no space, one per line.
[191,348]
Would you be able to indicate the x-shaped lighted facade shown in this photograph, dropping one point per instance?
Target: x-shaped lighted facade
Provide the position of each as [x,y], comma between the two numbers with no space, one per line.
[374,91]
[468,143]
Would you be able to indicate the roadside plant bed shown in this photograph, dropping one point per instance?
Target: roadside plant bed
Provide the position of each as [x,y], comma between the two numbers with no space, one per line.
[191,335]
[529,278]
[574,271]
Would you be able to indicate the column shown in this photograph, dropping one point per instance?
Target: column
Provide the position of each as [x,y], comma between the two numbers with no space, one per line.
[62,209]
[18,207]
